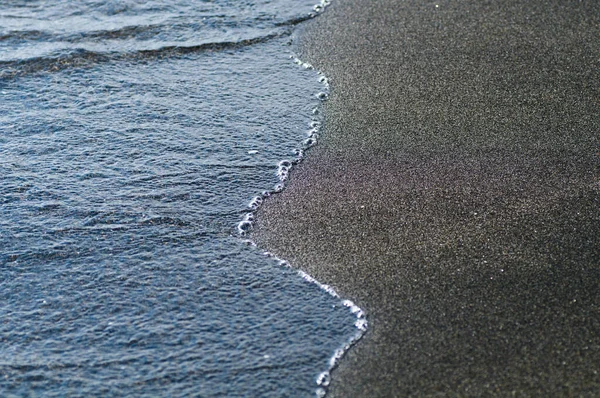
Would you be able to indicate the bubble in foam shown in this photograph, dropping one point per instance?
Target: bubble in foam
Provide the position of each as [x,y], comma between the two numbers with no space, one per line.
[244,227]
[285,163]
[361,324]
[299,153]
[278,188]
[337,355]
[283,174]
[283,169]
[324,379]
[329,290]
[322,95]
[319,8]
[309,142]
[306,277]
[354,308]
[255,202]
[314,124]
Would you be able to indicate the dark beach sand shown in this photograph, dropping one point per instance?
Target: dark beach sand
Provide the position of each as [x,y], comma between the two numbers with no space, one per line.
[455,195]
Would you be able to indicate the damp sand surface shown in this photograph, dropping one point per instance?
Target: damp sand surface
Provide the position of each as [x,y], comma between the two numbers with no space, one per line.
[454,195]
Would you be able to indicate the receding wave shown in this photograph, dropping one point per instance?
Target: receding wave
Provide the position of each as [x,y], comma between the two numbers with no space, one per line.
[84,58]
[140,33]
[35,38]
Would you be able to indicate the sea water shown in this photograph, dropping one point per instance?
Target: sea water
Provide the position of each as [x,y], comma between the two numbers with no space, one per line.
[133,137]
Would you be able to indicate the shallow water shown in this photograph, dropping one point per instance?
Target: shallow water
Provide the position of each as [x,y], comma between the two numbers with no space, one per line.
[133,135]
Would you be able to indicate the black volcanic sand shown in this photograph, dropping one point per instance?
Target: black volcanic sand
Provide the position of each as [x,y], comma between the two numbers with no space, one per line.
[455,195]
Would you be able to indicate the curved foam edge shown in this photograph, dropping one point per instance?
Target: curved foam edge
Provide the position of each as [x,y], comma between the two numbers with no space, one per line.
[284,168]
[245,226]
[324,378]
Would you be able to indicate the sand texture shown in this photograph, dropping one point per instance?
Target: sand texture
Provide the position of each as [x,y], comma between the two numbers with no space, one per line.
[455,195]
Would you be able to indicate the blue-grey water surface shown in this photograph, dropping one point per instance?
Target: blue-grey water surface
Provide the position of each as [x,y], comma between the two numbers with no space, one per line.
[133,134]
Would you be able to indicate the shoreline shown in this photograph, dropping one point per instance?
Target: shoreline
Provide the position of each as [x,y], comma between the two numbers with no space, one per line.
[454,195]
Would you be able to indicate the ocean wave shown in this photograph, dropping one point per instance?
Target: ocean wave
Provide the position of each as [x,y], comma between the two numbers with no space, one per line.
[80,57]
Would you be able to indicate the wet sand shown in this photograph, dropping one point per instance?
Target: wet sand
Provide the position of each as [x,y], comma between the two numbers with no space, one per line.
[455,195]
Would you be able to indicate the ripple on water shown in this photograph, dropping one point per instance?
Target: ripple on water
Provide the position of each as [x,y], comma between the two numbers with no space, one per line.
[131,147]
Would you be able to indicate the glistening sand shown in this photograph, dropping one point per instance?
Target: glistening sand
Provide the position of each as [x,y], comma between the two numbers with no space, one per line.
[454,195]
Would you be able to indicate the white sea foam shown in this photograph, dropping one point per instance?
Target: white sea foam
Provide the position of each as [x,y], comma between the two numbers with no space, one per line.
[284,167]
[361,324]
[255,202]
[312,132]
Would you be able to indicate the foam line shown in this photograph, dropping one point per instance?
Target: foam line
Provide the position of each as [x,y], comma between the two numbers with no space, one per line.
[284,168]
